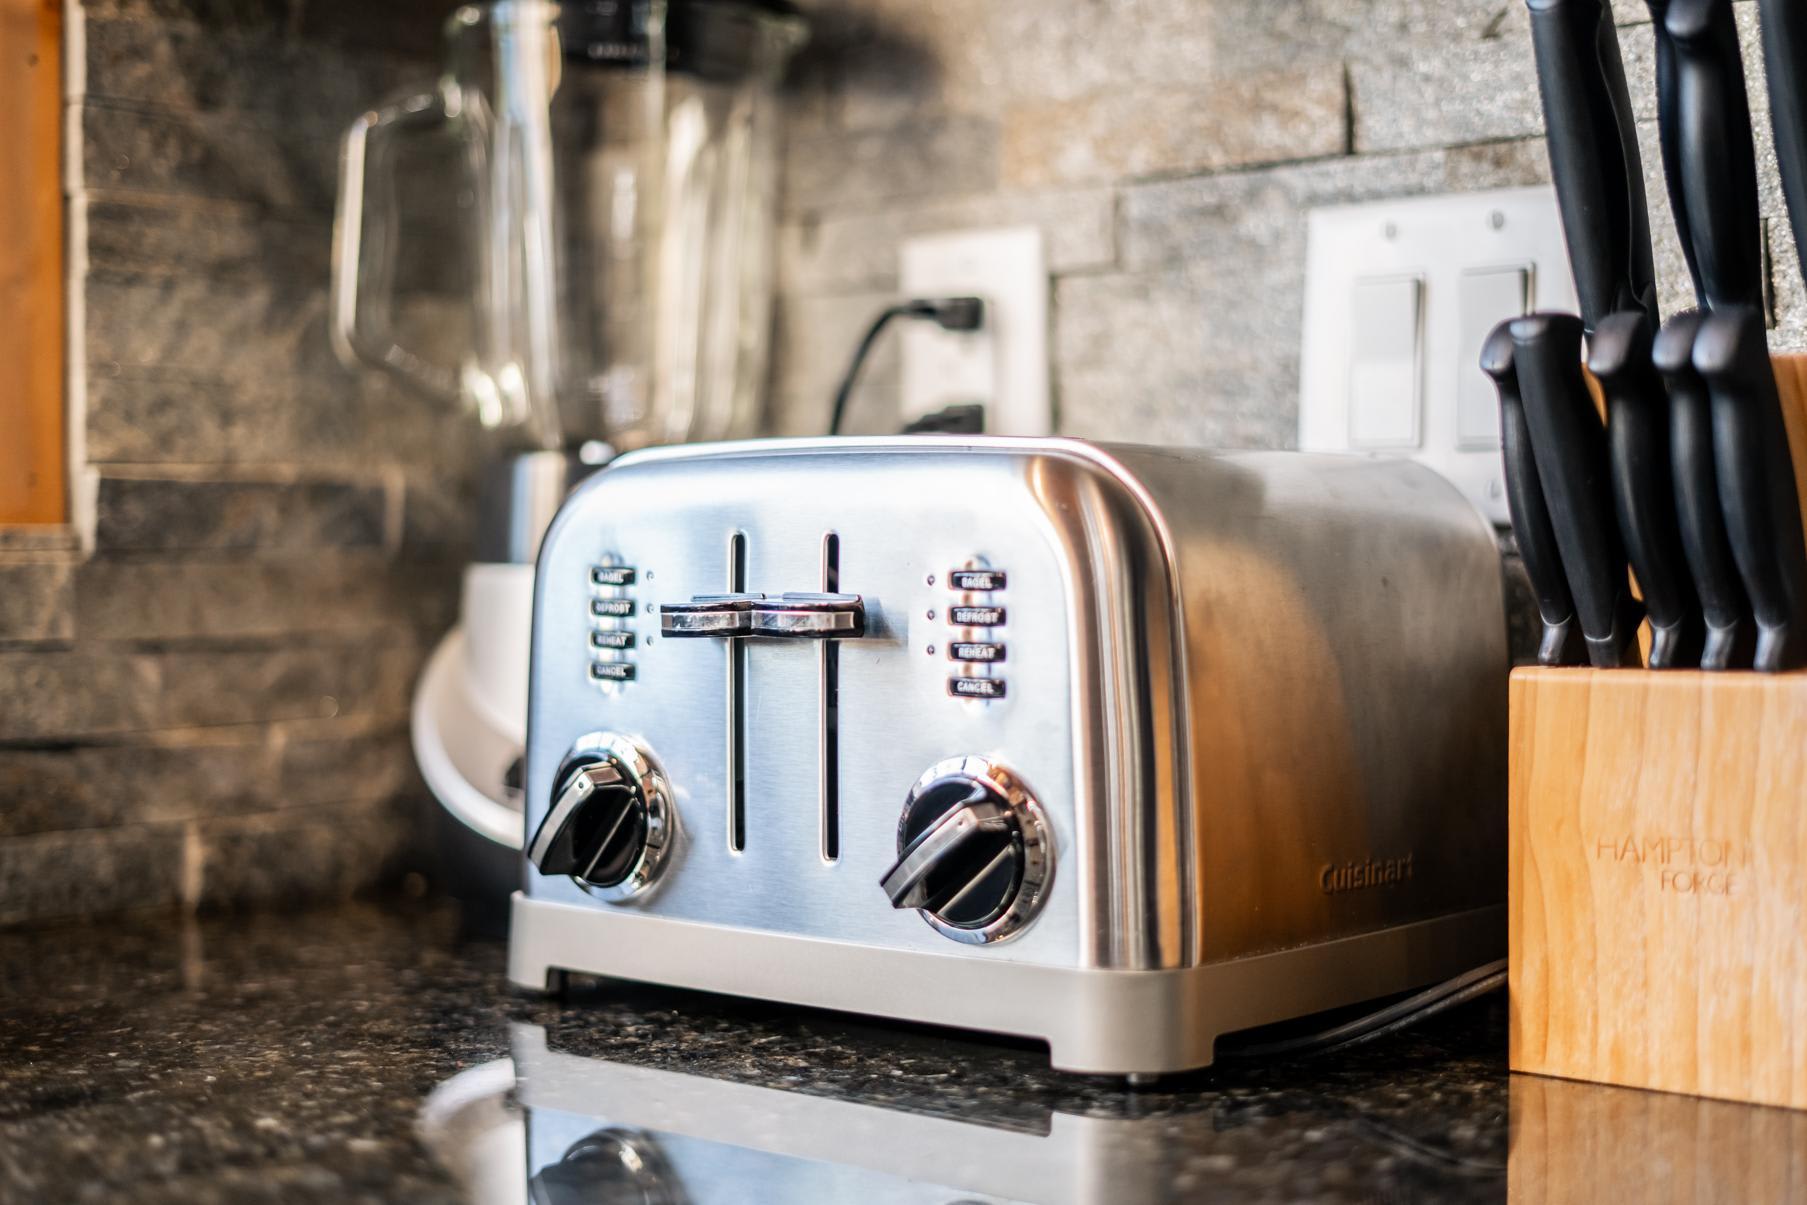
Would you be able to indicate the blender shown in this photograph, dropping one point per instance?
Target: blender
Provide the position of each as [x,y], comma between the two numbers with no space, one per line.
[613,219]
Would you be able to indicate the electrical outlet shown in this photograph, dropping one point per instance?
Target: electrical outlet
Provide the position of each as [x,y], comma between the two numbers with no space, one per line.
[1003,364]
[1399,296]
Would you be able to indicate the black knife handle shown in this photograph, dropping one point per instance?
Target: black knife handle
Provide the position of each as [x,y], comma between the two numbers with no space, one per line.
[1718,159]
[1756,480]
[1530,514]
[1784,25]
[1594,159]
[1702,526]
[1572,465]
[1668,137]
[1637,438]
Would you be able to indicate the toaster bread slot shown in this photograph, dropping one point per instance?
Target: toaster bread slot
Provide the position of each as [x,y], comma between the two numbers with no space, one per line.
[828,657]
[737,704]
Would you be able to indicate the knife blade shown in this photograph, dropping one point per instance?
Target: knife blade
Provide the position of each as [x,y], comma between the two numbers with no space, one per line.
[1530,513]
[1668,136]
[1572,465]
[1724,609]
[1594,160]
[1637,436]
[1757,492]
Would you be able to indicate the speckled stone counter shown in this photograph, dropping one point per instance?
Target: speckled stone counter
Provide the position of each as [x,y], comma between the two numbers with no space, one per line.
[372,1053]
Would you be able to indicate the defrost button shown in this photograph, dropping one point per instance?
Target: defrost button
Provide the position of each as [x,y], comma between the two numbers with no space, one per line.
[975,617]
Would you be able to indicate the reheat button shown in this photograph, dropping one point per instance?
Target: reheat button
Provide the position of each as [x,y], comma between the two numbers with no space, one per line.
[975,617]
[981,651]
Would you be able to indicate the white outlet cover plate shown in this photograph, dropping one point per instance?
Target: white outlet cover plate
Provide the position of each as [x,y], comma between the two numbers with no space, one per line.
[1448,244]
[1004,364]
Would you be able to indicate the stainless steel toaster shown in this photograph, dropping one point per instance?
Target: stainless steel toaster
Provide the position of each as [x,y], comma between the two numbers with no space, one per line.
[1121,748]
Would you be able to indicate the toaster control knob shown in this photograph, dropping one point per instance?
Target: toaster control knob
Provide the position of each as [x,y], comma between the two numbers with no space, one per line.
[974,851]
[611,823]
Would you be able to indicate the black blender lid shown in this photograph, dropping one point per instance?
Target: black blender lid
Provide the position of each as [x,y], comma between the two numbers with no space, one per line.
[706,38]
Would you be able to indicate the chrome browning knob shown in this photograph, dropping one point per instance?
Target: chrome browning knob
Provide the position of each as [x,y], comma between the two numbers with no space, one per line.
[974,852]
[611,823]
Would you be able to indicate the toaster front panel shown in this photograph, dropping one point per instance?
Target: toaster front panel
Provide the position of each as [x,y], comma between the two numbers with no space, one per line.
[789,760]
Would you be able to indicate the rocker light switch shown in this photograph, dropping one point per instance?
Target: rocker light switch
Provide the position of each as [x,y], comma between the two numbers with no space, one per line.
[1484,296]
[1384,362]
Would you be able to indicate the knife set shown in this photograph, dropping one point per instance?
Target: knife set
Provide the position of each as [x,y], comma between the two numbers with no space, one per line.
[1657,861]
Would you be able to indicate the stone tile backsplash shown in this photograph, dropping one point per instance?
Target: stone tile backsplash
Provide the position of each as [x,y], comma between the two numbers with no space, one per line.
[208,707]
[1170,150]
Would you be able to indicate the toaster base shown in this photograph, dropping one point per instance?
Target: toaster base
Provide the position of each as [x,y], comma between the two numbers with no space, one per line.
[1096,1022]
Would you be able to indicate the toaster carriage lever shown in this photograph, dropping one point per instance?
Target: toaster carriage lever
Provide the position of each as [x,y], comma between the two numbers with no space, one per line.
[811,616]
[791,616]
[709,615]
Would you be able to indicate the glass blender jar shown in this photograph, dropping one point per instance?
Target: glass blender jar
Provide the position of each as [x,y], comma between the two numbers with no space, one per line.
[619,163]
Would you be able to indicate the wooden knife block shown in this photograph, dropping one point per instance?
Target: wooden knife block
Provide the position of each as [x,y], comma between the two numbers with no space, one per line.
[1657,869]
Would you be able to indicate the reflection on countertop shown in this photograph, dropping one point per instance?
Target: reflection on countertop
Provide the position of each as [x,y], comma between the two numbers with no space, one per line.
[372,1053]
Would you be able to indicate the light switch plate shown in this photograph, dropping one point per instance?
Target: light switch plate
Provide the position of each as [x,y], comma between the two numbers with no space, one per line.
[1466,251]
[1004,364]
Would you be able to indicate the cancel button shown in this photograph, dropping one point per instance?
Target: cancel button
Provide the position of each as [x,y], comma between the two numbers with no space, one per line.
[970,651]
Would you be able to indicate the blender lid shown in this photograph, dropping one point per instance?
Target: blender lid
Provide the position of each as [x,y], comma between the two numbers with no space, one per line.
[706,38]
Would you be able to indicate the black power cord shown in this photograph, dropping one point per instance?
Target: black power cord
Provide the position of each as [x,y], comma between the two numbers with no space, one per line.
[1417,1007]
[949,313]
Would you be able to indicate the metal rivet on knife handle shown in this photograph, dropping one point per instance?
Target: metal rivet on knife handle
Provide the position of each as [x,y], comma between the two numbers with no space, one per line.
[1560,644]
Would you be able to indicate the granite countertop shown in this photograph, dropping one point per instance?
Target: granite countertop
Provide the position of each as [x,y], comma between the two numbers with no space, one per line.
[372,1052]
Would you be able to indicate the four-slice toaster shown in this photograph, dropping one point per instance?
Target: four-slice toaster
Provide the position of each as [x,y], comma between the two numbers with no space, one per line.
[1121,748]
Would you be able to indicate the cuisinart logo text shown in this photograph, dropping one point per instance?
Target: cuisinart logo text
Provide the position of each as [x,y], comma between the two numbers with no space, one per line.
[1372,872]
